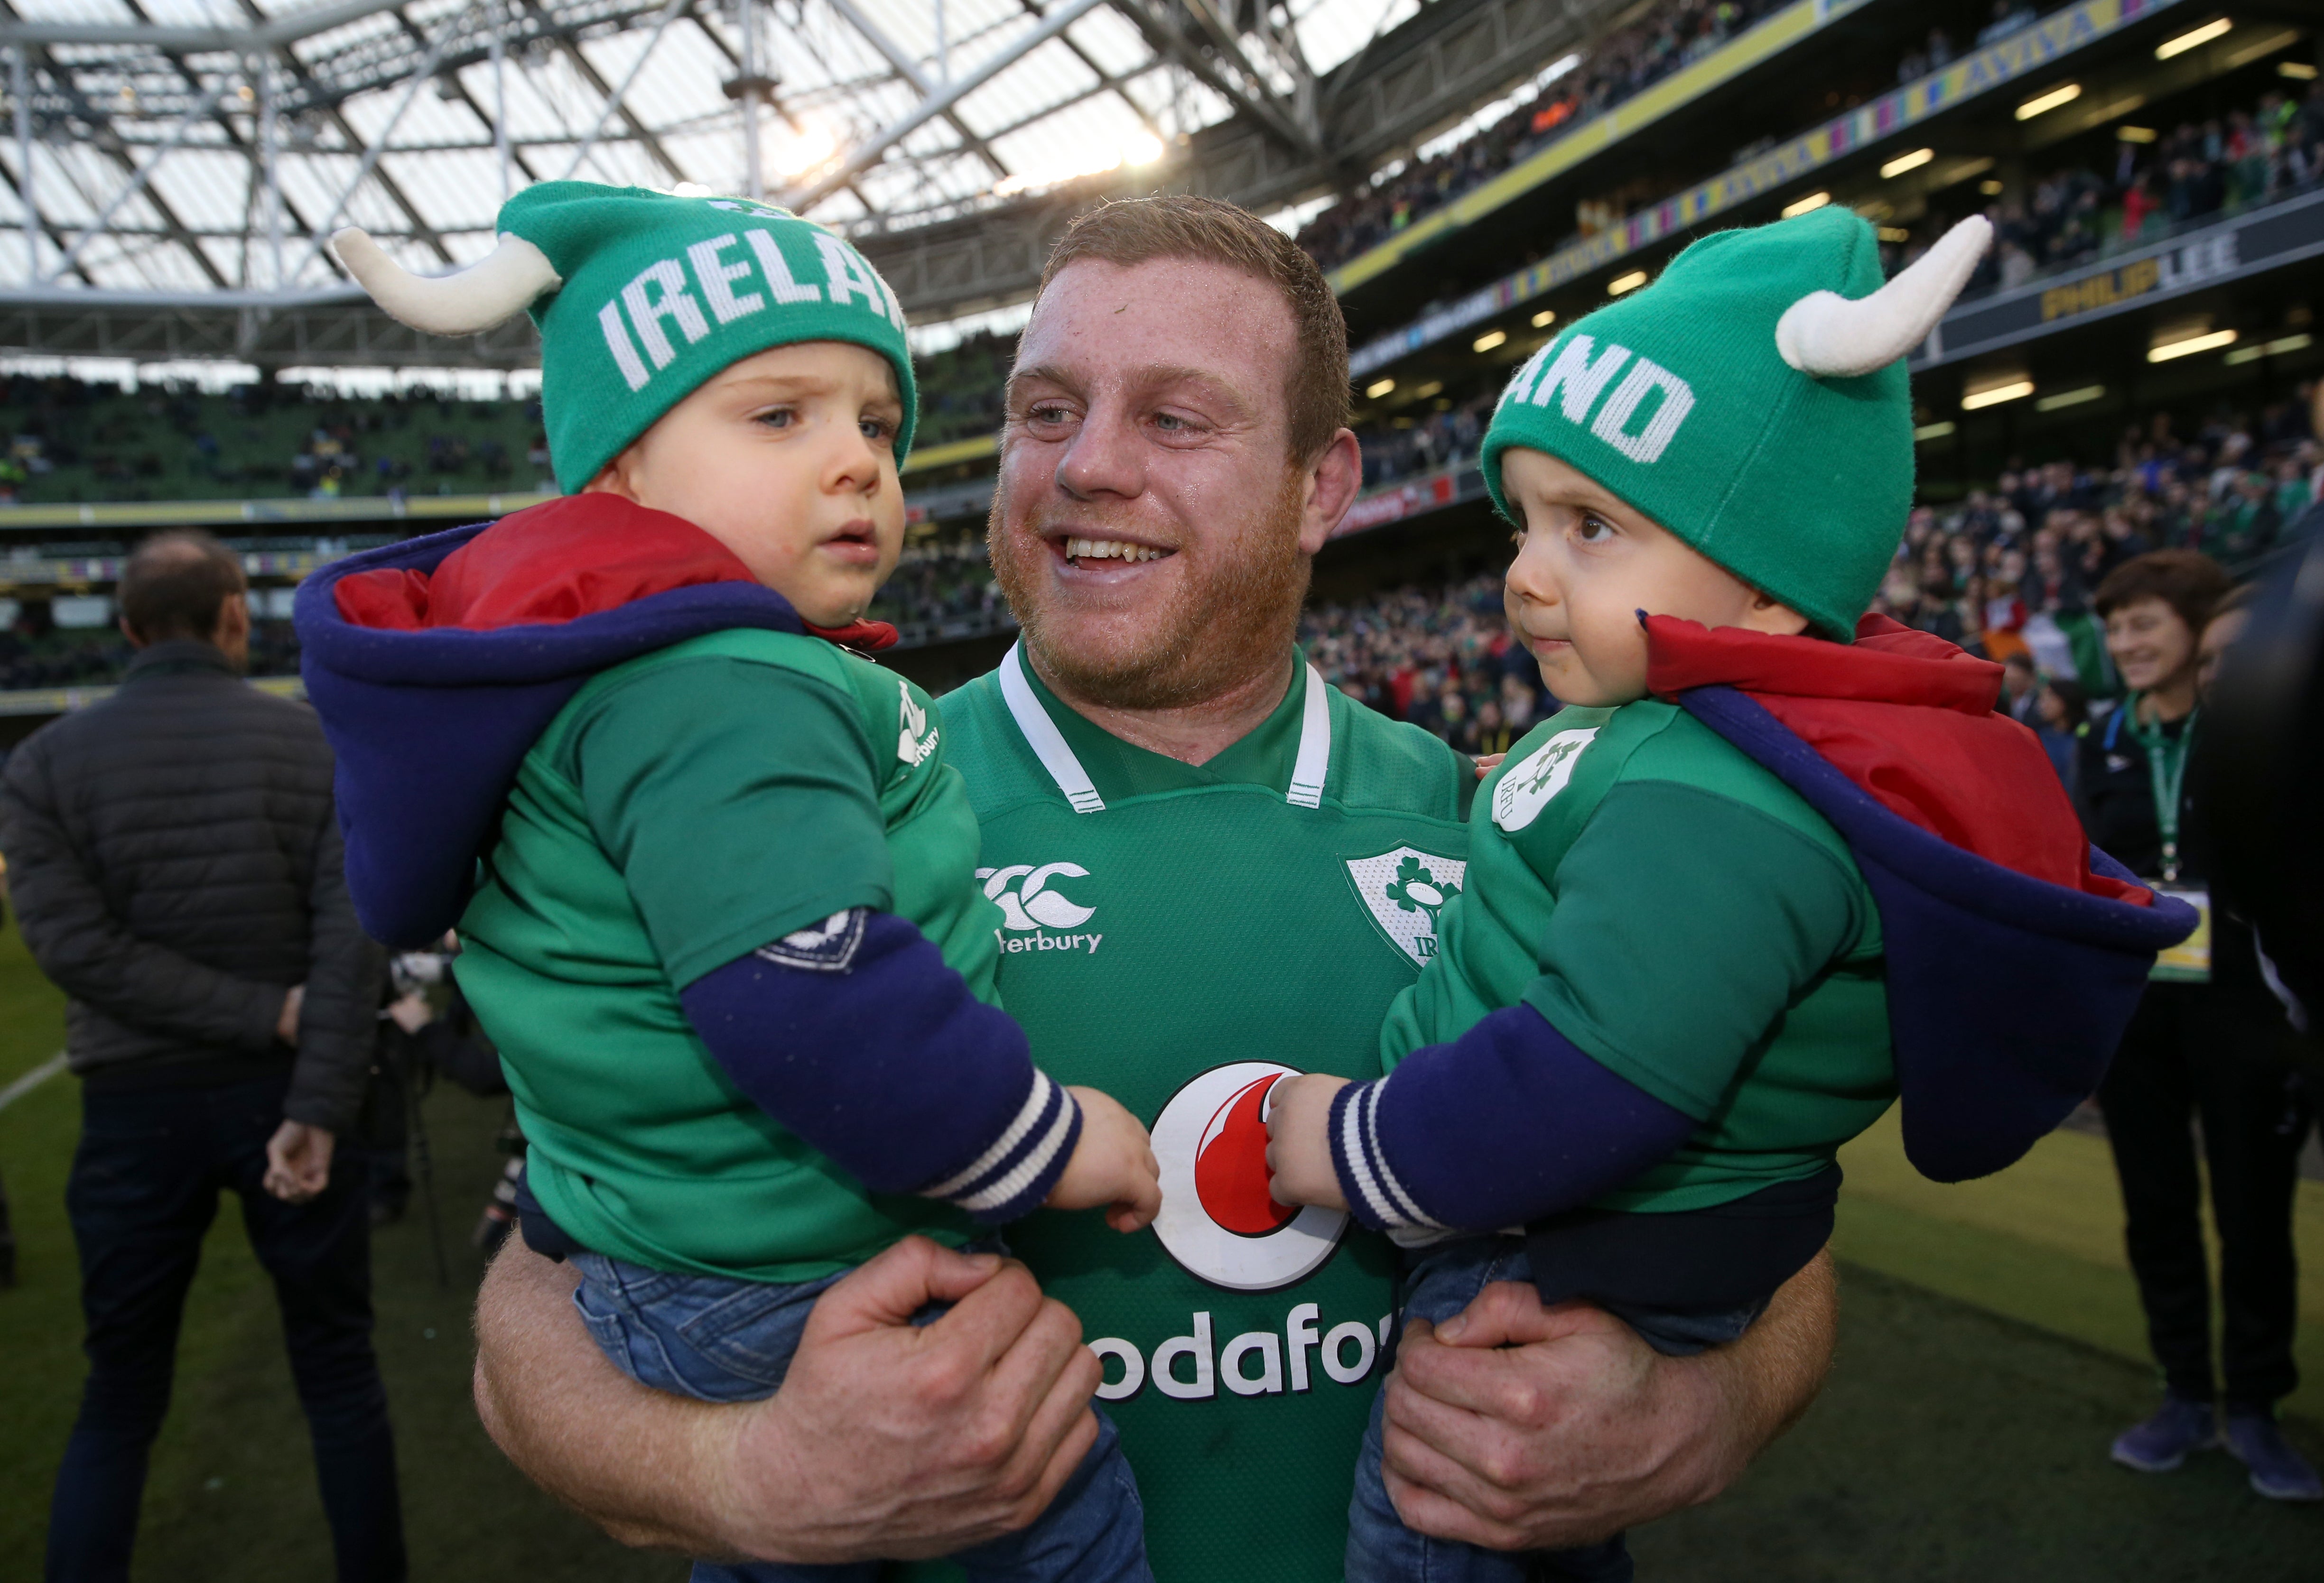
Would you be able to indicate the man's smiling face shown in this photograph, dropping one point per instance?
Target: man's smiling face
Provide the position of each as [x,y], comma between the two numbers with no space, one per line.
[1150,528]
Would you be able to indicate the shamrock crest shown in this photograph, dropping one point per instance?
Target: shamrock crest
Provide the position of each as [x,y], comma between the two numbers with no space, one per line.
[1417,889]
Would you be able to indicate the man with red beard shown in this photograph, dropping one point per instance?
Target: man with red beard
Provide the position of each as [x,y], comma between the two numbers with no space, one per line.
[1213,869]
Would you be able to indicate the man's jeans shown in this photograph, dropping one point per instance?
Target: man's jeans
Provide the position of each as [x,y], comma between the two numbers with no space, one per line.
[1441,1282]
[144,1188]
[724,1341]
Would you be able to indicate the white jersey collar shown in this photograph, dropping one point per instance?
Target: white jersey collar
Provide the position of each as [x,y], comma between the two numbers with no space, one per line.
[1308,771]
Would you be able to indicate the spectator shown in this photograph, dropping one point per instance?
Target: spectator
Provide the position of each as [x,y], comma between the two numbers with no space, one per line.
[2061,719]
[175,862]
[2021,685]
[2190,1053]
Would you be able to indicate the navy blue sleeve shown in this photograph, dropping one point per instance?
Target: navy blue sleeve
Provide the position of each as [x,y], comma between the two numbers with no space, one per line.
[855,1034]
[1543,1128]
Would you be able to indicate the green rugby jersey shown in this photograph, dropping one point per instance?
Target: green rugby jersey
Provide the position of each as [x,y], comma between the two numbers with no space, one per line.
[1684,917]
[686,809]
[1178,936]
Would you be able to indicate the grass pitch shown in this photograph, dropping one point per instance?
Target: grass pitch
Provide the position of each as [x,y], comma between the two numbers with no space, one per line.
[1990,1349]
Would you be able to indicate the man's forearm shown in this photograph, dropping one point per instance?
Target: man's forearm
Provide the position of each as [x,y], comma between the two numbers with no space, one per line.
[545,1401]
[889,1440]
[1771,1375]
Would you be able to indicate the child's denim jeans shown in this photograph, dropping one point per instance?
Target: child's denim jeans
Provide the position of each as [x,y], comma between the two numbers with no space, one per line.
[723,1340]
[1439,1282]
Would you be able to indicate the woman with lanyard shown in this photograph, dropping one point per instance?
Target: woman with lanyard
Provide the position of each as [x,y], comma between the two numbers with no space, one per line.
[2192,1051]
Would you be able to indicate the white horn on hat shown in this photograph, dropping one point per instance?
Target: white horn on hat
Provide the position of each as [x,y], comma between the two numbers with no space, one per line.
[1826,335]
[497,287]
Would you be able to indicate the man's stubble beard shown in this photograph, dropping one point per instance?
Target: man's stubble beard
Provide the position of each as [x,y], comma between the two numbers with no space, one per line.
[1233,622]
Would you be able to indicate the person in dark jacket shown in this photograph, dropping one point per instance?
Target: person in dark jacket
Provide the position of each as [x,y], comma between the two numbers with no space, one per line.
[2191,1051]
[175,860]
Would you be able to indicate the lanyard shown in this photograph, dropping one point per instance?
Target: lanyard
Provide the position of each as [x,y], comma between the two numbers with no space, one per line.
[2166,765]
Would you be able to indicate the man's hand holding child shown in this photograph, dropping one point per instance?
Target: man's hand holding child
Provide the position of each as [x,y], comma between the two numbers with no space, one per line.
[1299,1141]
[1113,1164]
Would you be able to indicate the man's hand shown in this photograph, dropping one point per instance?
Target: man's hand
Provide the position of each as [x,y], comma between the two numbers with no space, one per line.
[411,1012]
[286,1022]
[297,1160]
[1113,1164]
[886,1442]
[1520,1427]
[1299,1141]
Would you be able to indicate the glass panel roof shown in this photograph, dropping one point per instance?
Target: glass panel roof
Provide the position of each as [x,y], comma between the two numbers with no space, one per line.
[150,127]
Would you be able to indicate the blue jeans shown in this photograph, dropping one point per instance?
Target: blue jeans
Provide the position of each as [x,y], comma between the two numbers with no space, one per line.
[724,1341]
[144,1188]
[1439,1282]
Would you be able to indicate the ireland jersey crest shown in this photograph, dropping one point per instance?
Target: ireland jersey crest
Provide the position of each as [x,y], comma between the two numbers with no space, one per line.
[1405,891]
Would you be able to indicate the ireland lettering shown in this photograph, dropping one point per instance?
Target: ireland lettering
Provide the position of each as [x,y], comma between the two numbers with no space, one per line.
[732,277]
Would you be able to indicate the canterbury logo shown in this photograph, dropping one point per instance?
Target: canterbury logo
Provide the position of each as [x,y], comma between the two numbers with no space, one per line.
[1023,894]
[1639,419]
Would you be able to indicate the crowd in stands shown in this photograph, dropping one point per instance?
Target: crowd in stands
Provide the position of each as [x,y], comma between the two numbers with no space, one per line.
[1619,66]
[1440,658]
[1999,570]
[96,657]
[941,592]
[70,440]
[1417,444]
[961,389]
[2080,213]
[938,593]
[2007,572]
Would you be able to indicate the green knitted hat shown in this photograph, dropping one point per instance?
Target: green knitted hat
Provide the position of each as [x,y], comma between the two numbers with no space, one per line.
[1753,401]
[640,296]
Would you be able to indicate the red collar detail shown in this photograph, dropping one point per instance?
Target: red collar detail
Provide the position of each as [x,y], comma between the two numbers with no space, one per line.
[576,556]
[1888,663]
[1909,719]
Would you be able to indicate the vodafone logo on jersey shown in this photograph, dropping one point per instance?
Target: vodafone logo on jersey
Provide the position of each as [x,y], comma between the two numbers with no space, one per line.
[1217,1220]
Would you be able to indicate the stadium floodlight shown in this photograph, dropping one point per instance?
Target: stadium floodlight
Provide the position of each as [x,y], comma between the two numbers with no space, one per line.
[2074,398]
[1629,283]
[1378,387]
[1904,162]
[1545,319]
[2297,70]
[2188,345]
[2128,134]
[1808,204]
[2192,38]
[2276,348]
[1488,340]
[2065,93]
[1933,431]
[2011,390]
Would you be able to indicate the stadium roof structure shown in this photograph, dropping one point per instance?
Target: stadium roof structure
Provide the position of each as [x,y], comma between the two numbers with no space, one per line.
[170,168]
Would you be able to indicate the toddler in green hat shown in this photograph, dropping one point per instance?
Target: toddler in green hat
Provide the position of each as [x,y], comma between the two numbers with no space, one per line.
[1769,867]
[715,880]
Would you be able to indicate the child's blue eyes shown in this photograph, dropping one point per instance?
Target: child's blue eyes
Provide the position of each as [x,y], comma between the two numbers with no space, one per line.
[874,429]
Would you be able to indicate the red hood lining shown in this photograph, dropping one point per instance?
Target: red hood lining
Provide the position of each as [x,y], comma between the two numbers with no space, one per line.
[1909,718]
[576,556]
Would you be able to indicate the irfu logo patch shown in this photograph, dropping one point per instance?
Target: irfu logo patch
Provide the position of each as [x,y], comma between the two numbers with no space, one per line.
[1526,786]
[1405,891]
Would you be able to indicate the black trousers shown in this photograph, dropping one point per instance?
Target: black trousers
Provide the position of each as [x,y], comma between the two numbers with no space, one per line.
[145,1185]
[2185,1057]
